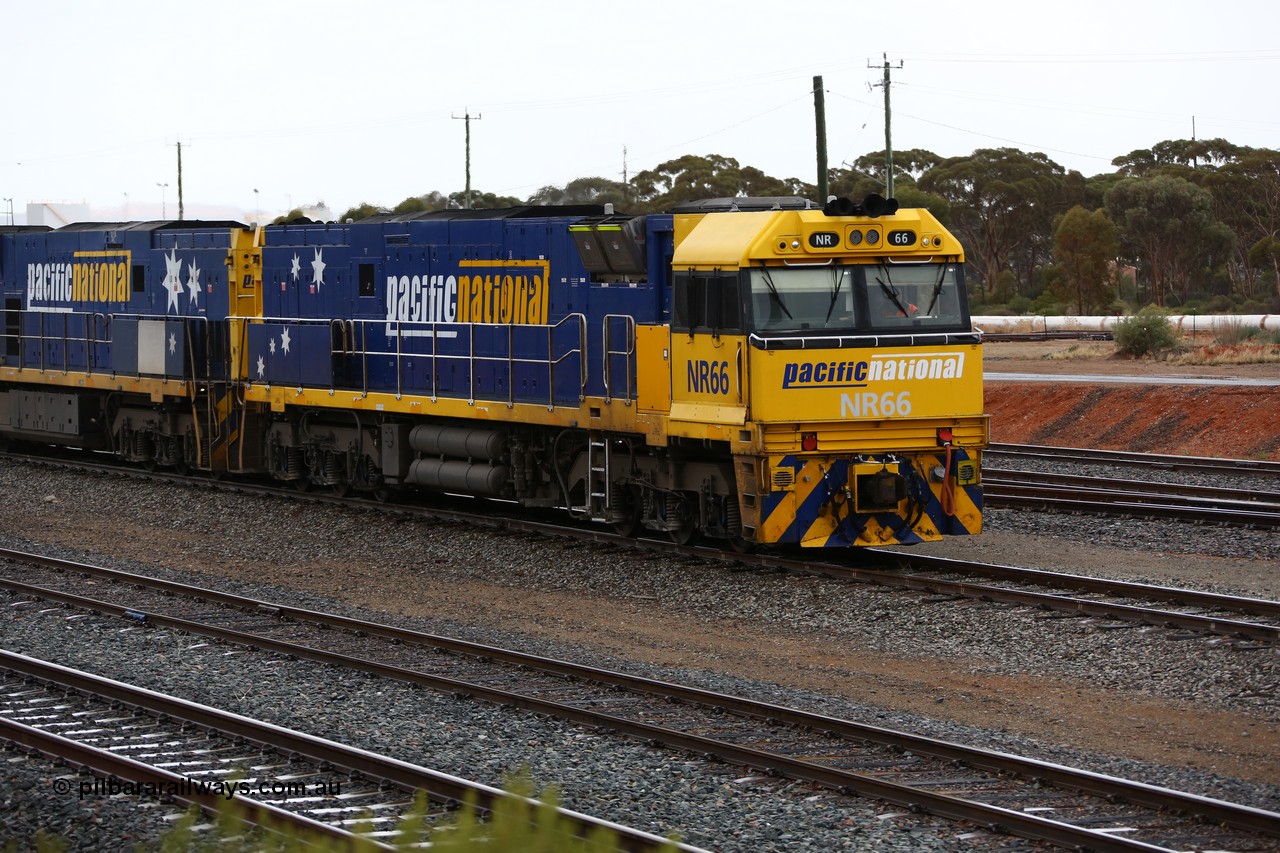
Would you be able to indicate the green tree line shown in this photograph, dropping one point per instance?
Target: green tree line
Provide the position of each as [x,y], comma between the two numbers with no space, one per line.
[1187,224]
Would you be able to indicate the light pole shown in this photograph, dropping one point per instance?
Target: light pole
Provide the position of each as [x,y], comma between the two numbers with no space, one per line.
[9,202]
[257,209]
[164,210]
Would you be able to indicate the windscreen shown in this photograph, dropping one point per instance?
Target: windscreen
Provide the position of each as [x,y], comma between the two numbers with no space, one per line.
[858,298]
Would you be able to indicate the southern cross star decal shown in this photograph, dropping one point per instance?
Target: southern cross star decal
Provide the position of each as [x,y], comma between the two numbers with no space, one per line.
[262,367]
[173,343]
[271,346]
[284,341]
[317,269]
[297,266]
[193,285]
[172,279]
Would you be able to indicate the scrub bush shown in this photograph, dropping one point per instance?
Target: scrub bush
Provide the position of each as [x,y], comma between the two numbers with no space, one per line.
[1146,333]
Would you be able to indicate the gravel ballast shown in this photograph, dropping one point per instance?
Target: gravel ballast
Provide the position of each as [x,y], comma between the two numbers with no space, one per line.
[307,555]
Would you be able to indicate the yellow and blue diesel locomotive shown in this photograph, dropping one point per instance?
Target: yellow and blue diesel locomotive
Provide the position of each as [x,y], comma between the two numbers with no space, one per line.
[760,371]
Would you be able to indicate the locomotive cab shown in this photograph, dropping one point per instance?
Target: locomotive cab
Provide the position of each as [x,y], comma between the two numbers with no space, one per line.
[833,353]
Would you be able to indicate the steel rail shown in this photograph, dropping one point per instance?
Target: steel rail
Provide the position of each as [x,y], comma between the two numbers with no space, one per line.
[441,787]
[1109,586]
[1151,460]
[112,765]
[1189,492]
[1100,503]
[1242,817]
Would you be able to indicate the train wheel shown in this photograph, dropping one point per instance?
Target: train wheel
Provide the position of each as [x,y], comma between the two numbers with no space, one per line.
[682,522]
[684,534]
[627,499]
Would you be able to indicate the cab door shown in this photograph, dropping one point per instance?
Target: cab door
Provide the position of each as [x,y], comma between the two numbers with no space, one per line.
[708,353]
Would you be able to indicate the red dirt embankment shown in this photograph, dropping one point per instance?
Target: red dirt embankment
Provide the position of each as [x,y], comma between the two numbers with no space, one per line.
[1191,420]
[1224,421]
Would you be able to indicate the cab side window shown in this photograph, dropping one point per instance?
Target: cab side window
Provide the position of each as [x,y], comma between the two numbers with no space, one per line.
[706,302]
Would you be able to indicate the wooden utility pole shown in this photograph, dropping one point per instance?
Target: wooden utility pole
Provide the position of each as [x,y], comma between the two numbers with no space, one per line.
[888,136]
[466,117]
[180,207]
[820,115]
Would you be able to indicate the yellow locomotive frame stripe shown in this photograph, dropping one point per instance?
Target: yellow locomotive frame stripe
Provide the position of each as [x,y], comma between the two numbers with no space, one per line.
[157,389]
[593,412]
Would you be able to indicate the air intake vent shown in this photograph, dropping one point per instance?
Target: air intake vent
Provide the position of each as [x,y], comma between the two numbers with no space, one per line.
[783,478]
[397,239]
[611,244]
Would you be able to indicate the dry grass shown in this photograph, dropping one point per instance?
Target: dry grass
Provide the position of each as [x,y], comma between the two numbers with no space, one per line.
[1081,351]
[1202,349]
[1218,354]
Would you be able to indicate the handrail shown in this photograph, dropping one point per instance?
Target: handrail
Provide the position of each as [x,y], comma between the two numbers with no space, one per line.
[629,323]
[89,321]
[738,363]
[863,339]
[347,332]
[92,357]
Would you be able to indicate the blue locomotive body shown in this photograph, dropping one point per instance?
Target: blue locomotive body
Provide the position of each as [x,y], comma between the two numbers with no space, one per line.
[131,299]
[499,307]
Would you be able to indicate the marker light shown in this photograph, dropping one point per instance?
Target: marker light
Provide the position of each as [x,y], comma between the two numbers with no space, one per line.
[809,441]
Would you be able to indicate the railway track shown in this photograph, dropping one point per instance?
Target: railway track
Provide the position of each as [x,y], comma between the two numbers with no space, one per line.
[1106,496]
[1196,611]
[1151,461]
[276,778]
[1109,600]
[1009,488]
[1111,495]
[1032,799]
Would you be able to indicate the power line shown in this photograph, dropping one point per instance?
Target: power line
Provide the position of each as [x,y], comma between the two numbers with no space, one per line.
[985,135]
[1096,58]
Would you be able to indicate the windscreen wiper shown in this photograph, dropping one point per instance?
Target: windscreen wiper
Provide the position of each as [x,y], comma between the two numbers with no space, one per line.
[773,291]
[937,289]
[891,292]
[837,274]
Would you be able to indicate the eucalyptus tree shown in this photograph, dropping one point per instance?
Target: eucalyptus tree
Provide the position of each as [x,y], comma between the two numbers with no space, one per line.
[363,210]
[1169,224]
[1244,183]
[1085,244]
[1176,157]
[1003,203]
[482,200]
[434,200]
[1246,194]
[593,190]
[687,178]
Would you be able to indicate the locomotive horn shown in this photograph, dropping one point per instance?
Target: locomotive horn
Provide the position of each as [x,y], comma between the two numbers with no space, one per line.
[839,207]
[873,205]
[876,205]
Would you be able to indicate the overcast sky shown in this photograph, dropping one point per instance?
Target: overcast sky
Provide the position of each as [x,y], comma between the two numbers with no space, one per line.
[279,104]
